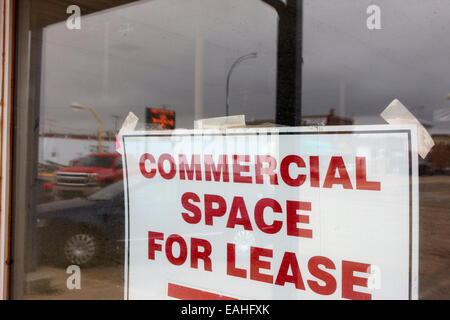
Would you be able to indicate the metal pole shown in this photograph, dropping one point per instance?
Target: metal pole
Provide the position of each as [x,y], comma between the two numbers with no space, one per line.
[238,60]
[289,60]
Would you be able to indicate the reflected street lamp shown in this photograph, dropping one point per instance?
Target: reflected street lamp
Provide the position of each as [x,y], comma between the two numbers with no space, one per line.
[238,60]
[100,123]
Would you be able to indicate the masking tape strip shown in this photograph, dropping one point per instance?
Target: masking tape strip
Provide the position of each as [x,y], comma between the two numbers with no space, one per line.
[221,122]
[129,124]
[397,113]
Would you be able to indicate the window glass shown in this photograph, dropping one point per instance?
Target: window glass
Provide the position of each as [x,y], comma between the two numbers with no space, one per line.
[108,193]
[82,69]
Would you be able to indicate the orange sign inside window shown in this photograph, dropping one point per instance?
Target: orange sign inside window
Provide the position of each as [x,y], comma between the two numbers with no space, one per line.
[162,117]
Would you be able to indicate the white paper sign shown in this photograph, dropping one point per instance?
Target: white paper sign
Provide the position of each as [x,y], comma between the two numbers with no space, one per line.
[272,213]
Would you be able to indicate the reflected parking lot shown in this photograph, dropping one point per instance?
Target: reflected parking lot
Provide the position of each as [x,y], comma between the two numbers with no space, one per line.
[104,279]
[434,255]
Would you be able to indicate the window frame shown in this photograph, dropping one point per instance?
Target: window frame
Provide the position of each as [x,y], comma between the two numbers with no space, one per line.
[7,27]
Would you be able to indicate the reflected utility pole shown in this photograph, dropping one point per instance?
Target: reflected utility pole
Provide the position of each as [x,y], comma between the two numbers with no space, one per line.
[289,61]
[116,121]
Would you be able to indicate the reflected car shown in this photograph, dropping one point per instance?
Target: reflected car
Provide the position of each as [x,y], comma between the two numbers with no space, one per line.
[87,175]
[425,168]
[82,231]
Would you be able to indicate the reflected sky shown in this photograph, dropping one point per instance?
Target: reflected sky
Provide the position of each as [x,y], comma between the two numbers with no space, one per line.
[177,53]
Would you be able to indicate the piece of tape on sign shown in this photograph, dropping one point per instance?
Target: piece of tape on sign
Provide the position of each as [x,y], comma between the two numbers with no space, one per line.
[221,122]
[397,113]
[129,124]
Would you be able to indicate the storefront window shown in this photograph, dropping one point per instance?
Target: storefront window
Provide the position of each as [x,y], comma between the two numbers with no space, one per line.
[81,69]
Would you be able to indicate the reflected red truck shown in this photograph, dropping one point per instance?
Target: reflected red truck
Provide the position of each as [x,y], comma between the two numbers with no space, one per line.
[88,175]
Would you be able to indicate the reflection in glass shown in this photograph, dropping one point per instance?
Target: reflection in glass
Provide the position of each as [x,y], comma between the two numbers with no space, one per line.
[318,64]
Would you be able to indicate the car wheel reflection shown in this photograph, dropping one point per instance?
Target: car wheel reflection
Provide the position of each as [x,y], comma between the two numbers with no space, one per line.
[82,249]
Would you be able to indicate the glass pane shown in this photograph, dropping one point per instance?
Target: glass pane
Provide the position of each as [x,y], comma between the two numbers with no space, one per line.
[82,69]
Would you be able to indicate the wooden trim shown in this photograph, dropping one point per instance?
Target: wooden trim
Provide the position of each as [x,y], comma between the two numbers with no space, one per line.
[6,102]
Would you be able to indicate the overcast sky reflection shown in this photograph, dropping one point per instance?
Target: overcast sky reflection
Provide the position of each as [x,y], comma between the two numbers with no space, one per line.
[152,53]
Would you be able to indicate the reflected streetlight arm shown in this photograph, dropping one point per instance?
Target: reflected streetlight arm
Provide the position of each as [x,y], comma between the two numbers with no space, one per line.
[238,60]
[278,5]
[100,123]
[92,110]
